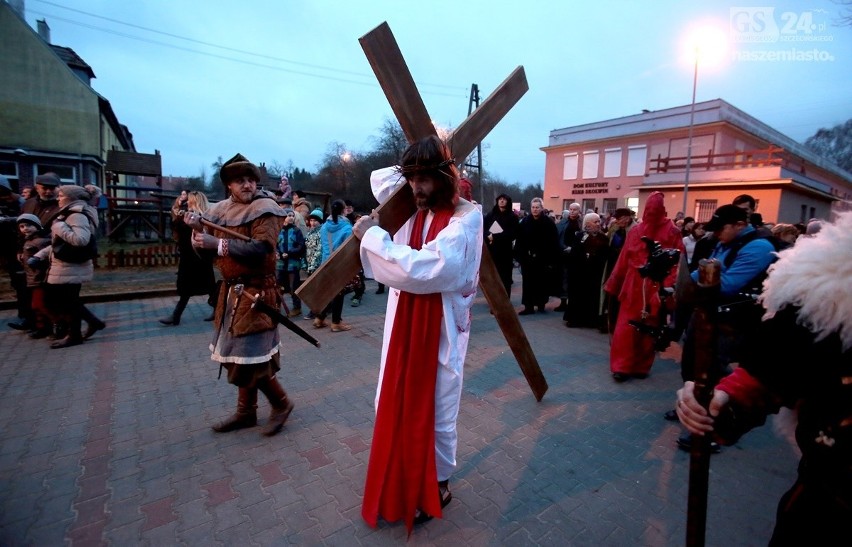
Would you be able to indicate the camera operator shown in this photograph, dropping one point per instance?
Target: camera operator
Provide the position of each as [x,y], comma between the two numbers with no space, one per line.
[632,350]
[744,256]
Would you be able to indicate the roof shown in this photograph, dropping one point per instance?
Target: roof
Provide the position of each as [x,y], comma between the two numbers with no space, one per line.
[74,61]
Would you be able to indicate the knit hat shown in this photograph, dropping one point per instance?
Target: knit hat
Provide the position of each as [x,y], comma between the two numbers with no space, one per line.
[236,167]
[48,179]
[74,192]
[317,214]
[29,218]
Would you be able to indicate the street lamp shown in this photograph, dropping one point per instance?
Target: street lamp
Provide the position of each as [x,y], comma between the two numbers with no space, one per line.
[689,137]
[706,43]
[345,157]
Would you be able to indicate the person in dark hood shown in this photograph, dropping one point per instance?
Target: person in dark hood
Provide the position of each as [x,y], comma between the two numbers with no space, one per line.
[501,226]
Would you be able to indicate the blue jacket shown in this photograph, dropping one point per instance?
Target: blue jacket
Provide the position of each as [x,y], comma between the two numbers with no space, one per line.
[751,260]
[338,231]
[292,242]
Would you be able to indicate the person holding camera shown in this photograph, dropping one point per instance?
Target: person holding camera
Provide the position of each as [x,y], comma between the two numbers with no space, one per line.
[632,350]
[744,254]
[799,357]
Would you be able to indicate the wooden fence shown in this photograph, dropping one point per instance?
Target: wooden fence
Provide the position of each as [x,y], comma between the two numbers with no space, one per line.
[155,255]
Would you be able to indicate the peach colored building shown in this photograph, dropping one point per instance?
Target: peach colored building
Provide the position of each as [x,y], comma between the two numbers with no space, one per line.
[618,163]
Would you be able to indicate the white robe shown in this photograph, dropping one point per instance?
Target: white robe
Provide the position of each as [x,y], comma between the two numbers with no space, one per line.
[449,265]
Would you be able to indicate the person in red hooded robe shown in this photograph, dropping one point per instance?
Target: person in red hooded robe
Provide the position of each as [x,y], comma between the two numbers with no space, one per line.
[632,352]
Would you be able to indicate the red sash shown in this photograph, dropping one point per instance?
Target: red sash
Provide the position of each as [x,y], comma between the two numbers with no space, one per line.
[401,475]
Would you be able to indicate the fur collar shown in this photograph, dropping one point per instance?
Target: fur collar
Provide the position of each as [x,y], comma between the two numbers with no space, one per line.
[815,274]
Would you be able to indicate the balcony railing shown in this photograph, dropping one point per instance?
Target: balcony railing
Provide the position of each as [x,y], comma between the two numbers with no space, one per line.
[741,159]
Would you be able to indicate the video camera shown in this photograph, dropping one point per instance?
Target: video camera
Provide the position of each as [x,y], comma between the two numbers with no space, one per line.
[657,268]
[660,261]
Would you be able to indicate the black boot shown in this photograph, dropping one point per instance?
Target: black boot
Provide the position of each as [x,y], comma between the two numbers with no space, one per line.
[281,405]
[174,318]
[246,415]
[93,324]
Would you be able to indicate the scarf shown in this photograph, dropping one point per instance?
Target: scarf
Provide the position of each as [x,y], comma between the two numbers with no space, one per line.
[401,474]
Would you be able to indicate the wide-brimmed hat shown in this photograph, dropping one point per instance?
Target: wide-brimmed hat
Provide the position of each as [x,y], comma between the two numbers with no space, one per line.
[726,214]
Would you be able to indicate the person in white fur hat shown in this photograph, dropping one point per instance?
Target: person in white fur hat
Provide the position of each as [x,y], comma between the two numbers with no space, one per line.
[799,358]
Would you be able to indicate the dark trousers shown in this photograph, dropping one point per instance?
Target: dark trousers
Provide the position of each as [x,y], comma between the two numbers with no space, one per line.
[65,306]
[335,308]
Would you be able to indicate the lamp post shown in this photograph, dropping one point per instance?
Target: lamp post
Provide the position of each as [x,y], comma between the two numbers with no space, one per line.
[689,137]
[708,44]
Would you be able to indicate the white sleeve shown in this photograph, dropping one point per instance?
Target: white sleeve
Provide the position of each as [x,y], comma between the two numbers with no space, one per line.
[448,263]
[384,181]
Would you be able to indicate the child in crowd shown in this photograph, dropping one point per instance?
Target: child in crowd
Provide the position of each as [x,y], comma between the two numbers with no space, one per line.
[34,240]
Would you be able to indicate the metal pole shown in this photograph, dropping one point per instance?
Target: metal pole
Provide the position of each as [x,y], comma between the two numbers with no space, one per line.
[689,138]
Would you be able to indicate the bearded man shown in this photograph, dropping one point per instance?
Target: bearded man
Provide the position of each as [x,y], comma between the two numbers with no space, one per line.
[432,268]
[245,341]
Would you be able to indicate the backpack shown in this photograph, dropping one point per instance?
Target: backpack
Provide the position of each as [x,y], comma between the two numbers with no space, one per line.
[742,311]
[755,285]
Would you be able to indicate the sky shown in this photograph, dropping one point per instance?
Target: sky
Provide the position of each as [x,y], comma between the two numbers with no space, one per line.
[280,80]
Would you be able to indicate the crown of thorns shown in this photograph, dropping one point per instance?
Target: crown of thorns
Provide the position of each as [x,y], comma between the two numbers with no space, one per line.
[406,170]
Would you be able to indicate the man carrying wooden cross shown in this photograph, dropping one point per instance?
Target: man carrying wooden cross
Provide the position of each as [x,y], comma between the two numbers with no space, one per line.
[432,264]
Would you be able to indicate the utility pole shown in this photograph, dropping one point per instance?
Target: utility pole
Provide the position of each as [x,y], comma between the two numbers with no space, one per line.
[472,104]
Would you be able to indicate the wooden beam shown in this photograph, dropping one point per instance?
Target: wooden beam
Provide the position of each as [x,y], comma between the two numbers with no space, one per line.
[389,65]
[507,318]
[387,61]
[322,286]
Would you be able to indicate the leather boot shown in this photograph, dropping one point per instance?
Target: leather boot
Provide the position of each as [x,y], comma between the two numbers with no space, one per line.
[174,318]
[281,405]
[246,415]
[93,323]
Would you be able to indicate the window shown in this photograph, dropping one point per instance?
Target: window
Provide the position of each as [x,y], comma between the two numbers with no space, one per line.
[803,217]
[633,204]
[702,146]
[612,162]
[813,213]
[609,206]
[569,167]
[566,203]
[590,164]
[9,169]
[588,205]
[636,159]
[66,174]
[704,209]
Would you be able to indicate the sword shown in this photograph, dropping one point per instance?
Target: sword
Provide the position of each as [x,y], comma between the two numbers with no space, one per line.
[214,226]
[263,307]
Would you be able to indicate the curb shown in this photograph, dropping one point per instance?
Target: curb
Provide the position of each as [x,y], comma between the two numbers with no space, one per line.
[107,297]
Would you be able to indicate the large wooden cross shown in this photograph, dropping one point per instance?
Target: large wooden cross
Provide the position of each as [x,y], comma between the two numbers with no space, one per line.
[395,79]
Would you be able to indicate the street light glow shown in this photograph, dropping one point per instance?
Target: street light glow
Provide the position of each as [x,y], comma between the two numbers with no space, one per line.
[706,44]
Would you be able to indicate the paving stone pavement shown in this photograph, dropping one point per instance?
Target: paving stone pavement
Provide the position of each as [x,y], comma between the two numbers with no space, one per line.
[109,443]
